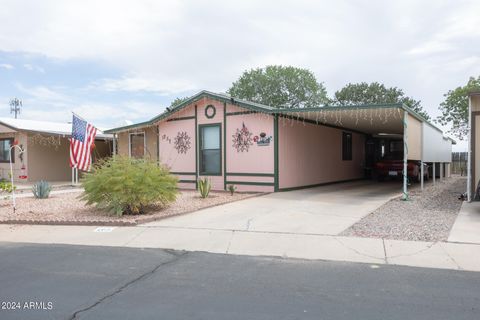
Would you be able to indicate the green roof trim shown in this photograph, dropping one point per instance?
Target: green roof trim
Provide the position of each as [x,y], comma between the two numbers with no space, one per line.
[202,94]
[258,107]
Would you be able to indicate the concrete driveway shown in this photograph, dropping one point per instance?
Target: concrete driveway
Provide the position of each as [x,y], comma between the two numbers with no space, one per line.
[326,210]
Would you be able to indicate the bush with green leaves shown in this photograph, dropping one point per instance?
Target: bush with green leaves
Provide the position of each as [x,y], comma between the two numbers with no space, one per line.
[122,185]
[6,186]
[204,187]
[41,189]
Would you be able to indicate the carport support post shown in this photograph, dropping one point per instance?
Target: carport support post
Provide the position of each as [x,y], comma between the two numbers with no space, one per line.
[441,171]
[421,175]
[405,155]
[469,149]
[433,171]
[114,145]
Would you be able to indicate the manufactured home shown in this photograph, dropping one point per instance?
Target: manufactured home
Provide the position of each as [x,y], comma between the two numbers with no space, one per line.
[46,149]
[262,148]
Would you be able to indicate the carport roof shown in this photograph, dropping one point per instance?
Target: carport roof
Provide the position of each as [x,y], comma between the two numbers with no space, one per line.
[370,119]
[367,118]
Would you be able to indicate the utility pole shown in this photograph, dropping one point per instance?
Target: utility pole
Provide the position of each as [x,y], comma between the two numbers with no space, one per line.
[15,106]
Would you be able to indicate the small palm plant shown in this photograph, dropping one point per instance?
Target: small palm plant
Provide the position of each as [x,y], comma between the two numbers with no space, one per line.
[41,189]
[204,187]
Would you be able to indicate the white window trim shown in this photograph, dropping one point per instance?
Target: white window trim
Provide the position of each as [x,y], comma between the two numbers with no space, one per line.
[130,142]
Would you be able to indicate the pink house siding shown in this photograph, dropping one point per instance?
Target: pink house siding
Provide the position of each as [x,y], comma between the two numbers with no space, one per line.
[248,170]
[181,163]
[171,157]
[257,163]
[311,154]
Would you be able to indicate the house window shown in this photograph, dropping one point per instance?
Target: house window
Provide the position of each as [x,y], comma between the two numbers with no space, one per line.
[346,146]
[137,145]
[210,150]
[5,145]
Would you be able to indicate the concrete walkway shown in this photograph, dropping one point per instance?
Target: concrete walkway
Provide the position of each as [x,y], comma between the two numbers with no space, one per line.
[325,210]
[442,255]
[299,224]
[467,225]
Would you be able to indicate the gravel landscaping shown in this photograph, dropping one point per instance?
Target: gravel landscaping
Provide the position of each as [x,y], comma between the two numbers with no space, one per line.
[427,216]
[67,209]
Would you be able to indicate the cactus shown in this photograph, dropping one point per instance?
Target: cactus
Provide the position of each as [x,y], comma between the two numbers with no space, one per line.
[41,189]
[204,187]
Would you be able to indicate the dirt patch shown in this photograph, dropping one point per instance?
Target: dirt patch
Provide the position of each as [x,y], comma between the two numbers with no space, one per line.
[67,209]
[427,216]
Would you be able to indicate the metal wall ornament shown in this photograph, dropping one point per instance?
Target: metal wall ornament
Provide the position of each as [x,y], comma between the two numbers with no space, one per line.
[182,142]
[242,139]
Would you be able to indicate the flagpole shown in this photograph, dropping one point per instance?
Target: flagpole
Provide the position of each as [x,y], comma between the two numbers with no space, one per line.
[75,114]
[89,132]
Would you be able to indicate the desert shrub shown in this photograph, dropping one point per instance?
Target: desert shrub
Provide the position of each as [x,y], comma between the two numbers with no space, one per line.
[122,185]
[41,189]
[232,188]
[204,187]
[6,186]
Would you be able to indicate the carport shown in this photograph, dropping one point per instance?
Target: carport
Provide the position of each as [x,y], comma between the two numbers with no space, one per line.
[358,137]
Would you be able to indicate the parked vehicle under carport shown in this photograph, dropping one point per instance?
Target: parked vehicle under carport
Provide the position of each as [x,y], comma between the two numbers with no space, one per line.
[394,169]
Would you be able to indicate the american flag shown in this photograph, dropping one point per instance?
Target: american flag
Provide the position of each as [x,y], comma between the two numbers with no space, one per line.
[83,137]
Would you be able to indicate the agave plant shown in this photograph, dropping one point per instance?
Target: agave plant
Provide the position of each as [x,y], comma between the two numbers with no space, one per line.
[232,188]
[41,189]
[204,187]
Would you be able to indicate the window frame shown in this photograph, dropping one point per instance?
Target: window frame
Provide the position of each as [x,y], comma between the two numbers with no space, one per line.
[130,142]
[12,140]
[200,142]
[347,150]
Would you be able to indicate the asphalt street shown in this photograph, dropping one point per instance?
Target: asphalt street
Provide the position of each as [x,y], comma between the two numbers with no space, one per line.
[85,282]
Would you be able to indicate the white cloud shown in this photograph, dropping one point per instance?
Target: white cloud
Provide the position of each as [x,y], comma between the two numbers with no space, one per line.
[6,66]
[138,83]
[44,94]
[105,115]
[31,67]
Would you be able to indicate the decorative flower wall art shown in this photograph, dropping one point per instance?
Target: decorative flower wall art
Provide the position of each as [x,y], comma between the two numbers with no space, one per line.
[182,142]
[262,139]
[242,139]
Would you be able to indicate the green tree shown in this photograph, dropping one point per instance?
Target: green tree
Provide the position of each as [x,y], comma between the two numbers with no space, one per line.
[369,93]
[177,101]
[455,108]
[280,87]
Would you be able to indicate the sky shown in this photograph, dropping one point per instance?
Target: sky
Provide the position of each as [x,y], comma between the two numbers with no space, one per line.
[117,61]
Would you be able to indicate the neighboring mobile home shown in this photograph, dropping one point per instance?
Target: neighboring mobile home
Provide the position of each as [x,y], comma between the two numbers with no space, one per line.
[262,148]
[474,146]
[46,149]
